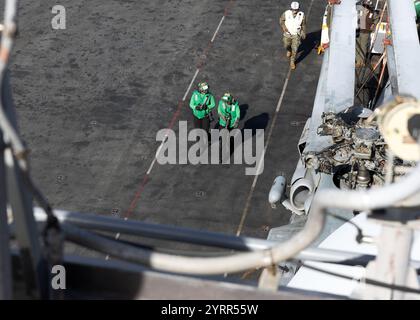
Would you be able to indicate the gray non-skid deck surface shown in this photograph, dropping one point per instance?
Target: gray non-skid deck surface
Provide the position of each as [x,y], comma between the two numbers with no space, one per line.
[91,99]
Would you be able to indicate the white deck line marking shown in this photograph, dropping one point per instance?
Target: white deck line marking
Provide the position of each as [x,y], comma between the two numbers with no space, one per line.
[286,83]
[270,132]
[166,135]
[191,83]
[217,30]
[183,100]
[155,158]
[185,97]
[254,183]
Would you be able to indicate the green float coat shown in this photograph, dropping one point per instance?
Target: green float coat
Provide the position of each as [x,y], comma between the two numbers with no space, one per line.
[226,111]
[197,99]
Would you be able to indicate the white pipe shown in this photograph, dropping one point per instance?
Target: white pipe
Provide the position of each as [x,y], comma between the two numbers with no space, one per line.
[301,190]
[286,203]
[374,198]
[358,200]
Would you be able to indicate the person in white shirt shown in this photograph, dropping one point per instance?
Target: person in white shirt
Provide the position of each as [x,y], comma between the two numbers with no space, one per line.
[293,24]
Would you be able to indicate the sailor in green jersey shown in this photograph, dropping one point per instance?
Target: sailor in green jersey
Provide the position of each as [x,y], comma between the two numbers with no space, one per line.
[202,102]
[229,112]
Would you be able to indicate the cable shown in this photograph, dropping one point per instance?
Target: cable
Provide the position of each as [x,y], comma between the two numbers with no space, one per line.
[370,75]
[367,281]
[165,262]
[166,250]
[7,39]
[17,146]
[52,235]
[360,236]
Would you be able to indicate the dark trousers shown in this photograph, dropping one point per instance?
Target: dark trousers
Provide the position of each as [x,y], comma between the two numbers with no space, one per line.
[202,123]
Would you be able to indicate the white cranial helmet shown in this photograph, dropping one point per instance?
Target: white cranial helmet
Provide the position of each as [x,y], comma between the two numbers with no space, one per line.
[295,5]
